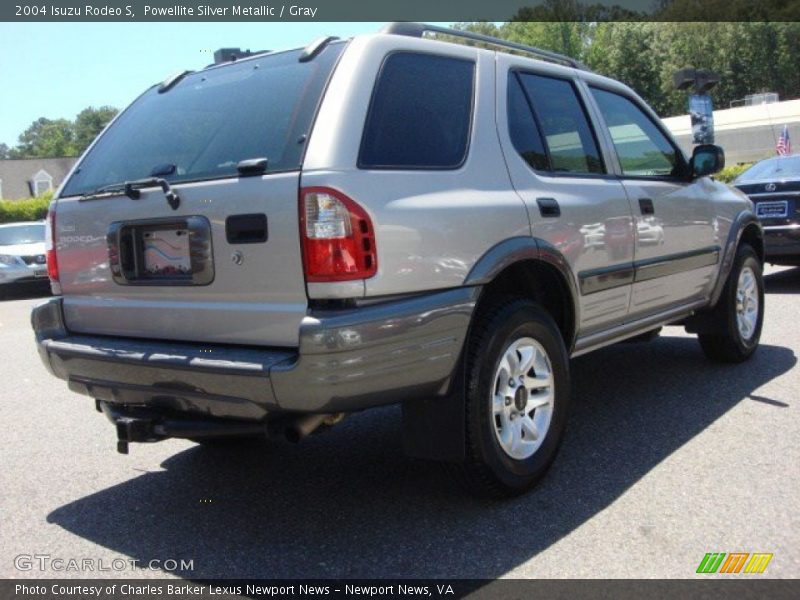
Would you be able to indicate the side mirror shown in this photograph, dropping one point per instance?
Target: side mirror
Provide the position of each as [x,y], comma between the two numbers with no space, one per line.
[707,159]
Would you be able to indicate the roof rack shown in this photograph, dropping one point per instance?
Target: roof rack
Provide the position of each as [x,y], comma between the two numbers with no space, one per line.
[419,30]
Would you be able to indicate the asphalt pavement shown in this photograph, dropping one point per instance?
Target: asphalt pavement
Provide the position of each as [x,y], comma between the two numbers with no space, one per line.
[668,457]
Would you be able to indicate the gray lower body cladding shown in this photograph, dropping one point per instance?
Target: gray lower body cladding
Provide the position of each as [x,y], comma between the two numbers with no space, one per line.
[347,360]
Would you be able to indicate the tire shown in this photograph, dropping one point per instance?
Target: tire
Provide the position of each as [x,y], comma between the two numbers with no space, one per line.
[734,342]
[494,466]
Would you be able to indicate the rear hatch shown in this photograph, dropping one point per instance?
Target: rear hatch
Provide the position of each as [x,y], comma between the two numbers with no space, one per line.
[225,266]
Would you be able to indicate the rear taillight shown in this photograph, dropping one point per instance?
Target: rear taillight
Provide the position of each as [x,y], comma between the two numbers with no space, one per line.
[50,243]
[338,238]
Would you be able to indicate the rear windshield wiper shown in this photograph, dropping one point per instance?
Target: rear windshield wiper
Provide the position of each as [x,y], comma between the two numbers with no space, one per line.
[131,190]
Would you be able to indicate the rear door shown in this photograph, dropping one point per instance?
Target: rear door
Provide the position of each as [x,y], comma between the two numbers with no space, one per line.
[573,202]
[225,265]
[676,245]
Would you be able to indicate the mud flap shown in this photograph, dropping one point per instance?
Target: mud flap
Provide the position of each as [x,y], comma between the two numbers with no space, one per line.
[434,428]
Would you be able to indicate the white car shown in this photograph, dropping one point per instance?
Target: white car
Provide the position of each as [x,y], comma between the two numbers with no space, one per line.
[22,255]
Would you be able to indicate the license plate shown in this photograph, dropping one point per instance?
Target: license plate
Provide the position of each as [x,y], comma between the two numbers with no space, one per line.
[771,210]
[166,252]
[40,273]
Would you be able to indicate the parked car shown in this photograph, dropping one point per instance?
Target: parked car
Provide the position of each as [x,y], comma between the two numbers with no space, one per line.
[774,186]
[269,244]
[22,257]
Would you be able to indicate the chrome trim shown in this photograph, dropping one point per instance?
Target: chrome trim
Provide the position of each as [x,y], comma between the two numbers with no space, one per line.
[790,227]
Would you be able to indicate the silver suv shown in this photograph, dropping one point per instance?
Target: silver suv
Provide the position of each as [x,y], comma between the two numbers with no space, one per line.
[272,242]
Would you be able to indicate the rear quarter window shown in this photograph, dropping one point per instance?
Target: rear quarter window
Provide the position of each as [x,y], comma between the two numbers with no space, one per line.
[420,113]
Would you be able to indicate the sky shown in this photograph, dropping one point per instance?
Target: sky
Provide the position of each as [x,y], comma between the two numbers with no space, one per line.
[55,70]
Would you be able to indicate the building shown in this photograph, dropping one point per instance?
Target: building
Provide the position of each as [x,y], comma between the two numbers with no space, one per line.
[746,133]
[30,177]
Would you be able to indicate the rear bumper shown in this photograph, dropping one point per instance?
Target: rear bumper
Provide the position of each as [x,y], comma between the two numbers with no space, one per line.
[347,360]
[782,243]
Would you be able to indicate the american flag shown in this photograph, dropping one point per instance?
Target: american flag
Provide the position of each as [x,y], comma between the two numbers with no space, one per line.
[784,146]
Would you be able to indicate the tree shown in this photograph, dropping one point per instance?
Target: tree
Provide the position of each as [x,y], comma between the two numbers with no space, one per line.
[46,137]
[751,57]
[624,51]
[60,137]
[89,123]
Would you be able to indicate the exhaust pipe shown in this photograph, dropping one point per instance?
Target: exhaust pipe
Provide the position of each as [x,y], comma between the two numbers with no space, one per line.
[304,426]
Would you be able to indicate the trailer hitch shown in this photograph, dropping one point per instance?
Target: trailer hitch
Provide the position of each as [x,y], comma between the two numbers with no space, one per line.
[133,429]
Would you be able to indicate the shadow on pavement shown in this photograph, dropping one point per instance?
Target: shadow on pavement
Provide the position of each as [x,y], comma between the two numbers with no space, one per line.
[347,503]
[783,282]
[24,292]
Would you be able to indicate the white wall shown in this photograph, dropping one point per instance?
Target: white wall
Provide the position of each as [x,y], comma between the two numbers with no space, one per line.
[747,133]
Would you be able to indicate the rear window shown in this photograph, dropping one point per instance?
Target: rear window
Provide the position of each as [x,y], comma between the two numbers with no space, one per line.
[779,167]
[565,126]
[420,113]
[22,234]
[211,120]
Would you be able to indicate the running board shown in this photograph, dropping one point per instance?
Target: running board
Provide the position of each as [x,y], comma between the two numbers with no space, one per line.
[622,332]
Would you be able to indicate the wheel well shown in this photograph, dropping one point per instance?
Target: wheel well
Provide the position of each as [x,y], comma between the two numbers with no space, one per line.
[752,235]
[541,282]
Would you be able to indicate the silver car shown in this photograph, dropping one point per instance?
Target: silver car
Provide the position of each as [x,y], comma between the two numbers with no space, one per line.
[266,245]
[22,256]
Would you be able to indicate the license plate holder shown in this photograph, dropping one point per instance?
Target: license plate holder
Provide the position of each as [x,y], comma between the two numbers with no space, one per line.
[773,209]
[161,252]
[165,252]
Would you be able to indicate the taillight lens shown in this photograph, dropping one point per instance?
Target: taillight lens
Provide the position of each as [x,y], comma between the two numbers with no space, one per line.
[50,243]
[338,238]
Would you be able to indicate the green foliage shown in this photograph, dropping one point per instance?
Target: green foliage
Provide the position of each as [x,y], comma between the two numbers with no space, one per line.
[728,174]
[28,209]
[89,123]
[751,57]
[46,137]
[60,137]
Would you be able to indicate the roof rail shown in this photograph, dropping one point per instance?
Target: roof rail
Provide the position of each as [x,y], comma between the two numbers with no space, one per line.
[419,29]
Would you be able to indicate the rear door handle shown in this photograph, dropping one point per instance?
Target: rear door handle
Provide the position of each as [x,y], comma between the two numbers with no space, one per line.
[646,206]
[246,229]
[548,207]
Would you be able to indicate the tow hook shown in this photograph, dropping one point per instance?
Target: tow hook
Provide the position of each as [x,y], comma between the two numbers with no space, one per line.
[131,429]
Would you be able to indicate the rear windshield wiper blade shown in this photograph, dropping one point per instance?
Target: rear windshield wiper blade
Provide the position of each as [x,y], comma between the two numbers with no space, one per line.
[114,189]
[131,190]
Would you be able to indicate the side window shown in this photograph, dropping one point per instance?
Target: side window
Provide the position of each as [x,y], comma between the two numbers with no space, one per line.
[641,147]
[565,126]
[522,127]
[420,113]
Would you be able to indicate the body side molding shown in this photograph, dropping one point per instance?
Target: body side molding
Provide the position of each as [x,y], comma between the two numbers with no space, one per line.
[606,278]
